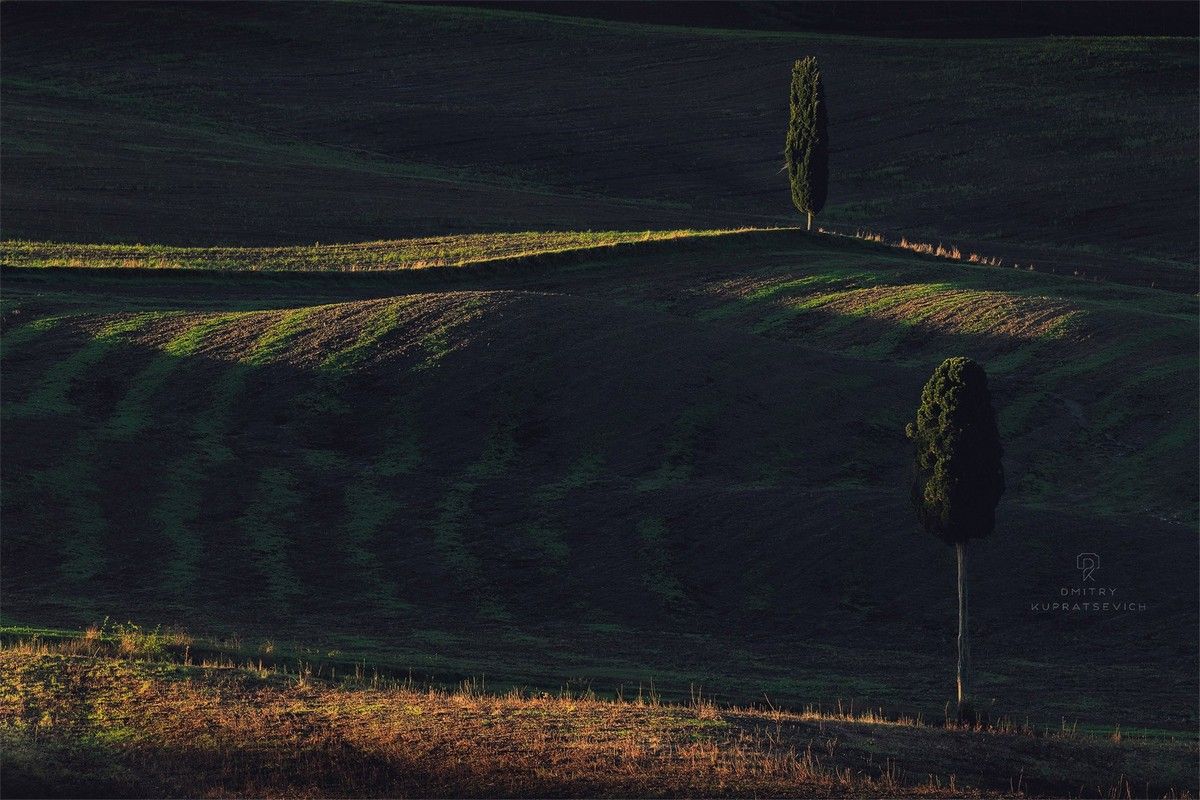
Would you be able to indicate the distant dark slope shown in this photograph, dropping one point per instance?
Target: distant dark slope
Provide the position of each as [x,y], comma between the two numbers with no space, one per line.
[269,124]
[935,19]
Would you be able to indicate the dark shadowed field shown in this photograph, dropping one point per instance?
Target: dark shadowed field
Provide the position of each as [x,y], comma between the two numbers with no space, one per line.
[654,444]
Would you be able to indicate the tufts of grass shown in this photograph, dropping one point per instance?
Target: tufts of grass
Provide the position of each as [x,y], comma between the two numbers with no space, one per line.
[142,726]
[275,341]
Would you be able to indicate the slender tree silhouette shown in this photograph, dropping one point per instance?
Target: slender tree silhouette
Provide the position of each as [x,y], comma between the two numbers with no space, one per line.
[807,144]
[958,477]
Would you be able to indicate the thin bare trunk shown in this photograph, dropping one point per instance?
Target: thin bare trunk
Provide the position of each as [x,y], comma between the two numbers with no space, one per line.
[964,642]
[810,220]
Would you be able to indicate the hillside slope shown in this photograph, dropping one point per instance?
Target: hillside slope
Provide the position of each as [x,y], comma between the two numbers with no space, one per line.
[255,124]
[678,461]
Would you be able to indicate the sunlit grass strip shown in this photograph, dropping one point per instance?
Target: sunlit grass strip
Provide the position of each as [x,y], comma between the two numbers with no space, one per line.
[300,736]
[381,322]
[50,396]
[275,341]
[400,254]
[18,336]
[437,343]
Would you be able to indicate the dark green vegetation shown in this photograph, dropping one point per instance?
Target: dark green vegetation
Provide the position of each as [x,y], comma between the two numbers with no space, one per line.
[959,470]
[806,148]
[359,122]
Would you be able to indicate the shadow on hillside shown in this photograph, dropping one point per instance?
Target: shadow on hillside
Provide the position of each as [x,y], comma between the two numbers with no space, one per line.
[742,524]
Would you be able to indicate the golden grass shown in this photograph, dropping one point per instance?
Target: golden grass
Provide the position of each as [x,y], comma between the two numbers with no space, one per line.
[957,310]
[153,728]
[926,248]
[398,254]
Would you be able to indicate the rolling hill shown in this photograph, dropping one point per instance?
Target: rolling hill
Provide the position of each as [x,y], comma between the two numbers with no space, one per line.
[680,460]
[241,124]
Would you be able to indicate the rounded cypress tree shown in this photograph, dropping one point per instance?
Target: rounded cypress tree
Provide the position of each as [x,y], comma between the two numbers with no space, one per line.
[807,144]
[959,476]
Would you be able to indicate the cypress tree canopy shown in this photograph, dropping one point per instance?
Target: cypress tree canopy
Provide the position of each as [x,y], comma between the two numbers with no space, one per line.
[959,477]
[807,145]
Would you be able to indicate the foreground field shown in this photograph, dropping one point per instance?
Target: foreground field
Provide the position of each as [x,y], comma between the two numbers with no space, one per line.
[100,716]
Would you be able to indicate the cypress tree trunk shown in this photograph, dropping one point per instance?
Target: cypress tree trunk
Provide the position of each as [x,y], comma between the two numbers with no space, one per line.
[964,643]
[810,220]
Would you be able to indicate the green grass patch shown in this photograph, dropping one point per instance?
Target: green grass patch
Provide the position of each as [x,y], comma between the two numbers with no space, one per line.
[677,466]
[50,397]
[370,505]
[437,344]
[177,509]
[656,564]
[543,534]
[454,509]
[377,326]
[266,524]
[279,337]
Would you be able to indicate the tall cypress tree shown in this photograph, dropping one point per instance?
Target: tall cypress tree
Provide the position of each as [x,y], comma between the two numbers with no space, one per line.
[807,144]
[959,477]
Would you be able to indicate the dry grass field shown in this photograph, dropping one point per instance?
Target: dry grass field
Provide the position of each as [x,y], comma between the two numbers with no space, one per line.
[130,713]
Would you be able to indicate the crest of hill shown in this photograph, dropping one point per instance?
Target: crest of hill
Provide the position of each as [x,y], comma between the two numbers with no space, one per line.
[1074,152]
